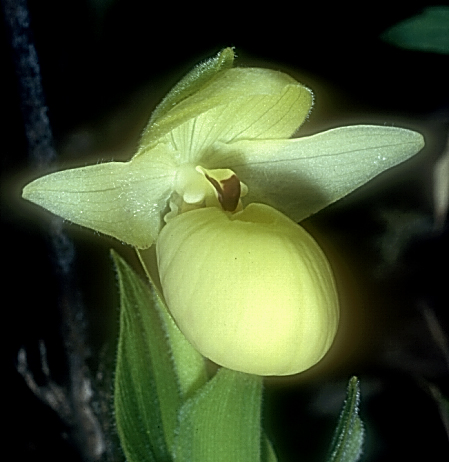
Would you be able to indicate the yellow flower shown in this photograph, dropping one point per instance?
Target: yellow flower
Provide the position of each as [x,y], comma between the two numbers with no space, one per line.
[219,184]
[252,290]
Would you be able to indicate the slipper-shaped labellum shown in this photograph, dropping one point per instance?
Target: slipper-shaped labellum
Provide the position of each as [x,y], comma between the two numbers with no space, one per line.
[251,290]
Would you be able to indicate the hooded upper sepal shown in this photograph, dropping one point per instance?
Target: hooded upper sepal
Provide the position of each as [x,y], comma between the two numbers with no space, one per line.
[121,199]
[268,104]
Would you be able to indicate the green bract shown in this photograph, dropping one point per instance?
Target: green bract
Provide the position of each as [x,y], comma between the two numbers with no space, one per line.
[216,148]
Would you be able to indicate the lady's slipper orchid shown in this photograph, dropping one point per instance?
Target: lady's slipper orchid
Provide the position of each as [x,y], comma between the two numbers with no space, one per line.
[219,184]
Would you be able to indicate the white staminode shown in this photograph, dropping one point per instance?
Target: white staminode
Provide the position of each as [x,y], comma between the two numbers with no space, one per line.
[197,187]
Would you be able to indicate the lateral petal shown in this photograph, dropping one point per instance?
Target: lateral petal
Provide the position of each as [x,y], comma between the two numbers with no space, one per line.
[301,176]
[122,199]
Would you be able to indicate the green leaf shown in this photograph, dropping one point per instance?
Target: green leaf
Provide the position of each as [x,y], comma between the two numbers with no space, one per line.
[146,398]
[442,402]
[197,78]
[428,31]
[188,363]
[268,454]
[347,442]
[221,423]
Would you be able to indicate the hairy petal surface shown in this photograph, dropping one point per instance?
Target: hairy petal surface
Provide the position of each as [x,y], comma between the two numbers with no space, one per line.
[300,176]
[121,199]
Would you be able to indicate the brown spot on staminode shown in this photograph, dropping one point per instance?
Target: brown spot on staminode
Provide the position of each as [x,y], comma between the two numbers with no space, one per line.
[228,191]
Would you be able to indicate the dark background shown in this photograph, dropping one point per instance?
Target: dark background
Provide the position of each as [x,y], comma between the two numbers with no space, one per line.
[105,64]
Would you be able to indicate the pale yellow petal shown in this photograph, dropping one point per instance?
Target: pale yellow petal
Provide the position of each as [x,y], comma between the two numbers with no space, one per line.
[252,291]
[122,199]
[301,176]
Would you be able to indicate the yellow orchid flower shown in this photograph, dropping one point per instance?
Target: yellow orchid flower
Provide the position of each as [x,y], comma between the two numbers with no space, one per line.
[219,184]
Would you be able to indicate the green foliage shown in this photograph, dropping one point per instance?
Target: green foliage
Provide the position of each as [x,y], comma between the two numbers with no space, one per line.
[147,396]
[268,454]
[428,31]
[167,410]
[221,422]
[197,78]
[164,414]
[347,442]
